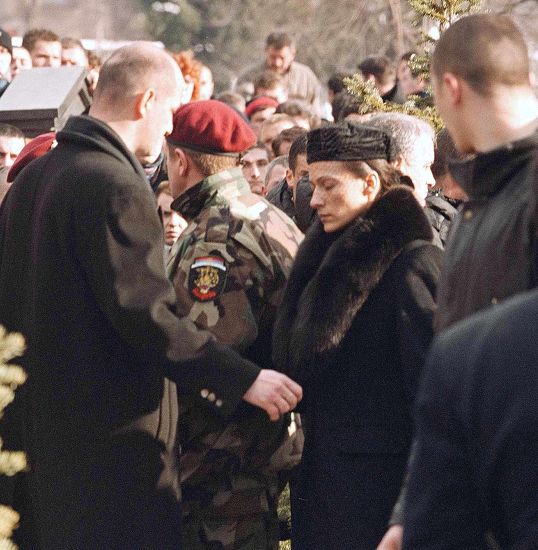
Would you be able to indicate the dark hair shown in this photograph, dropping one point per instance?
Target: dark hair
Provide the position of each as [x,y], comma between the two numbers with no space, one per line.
[279,40]
[94,60]
[336,82]
[72,43]
[164,187]
[68,43]
[237,101]
[257,145]
[298,147]
[483,50]
[32,36]
[388,176]
[268,80]
[380,66]
[294,107]
[344,104]
[407,56]
[445,151]
[289,135]
[9,131]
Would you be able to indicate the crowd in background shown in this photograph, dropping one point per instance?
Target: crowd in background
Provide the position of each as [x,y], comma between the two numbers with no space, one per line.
[313,252]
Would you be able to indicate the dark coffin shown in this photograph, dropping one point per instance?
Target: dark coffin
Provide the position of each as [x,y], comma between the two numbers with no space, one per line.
[42,99]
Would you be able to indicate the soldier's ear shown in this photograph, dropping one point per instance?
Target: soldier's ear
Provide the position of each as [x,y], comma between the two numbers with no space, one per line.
[184,161]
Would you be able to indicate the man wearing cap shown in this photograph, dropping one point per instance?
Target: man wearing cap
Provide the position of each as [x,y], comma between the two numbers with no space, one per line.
[260,109]
[229,269]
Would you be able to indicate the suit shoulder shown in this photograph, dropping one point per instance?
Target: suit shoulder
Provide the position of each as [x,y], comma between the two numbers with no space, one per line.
[503,330]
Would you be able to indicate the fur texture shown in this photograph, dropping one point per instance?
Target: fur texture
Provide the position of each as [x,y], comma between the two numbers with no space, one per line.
[334,273]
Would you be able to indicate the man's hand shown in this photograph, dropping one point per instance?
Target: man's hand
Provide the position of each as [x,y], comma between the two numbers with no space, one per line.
[393,539]
[274,392]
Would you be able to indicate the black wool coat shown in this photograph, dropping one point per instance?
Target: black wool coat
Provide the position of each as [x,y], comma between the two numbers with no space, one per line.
[82,277]
[473,476]
[353,330]
[492,249]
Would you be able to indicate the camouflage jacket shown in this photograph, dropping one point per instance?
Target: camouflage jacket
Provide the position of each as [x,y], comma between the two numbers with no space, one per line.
[229,269]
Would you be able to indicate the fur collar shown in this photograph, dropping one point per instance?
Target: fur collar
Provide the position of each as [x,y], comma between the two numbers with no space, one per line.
[334,273]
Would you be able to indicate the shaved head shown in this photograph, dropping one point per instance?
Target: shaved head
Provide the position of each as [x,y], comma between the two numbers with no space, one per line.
[485,50]
[139,89]
[133,69]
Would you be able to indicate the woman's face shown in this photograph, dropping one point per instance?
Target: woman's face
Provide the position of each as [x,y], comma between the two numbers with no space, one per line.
[340,196]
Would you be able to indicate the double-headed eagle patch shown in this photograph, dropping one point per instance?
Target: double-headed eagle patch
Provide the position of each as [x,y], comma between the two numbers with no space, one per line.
[207,277]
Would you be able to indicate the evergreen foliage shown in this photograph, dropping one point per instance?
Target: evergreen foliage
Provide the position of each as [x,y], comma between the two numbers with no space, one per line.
[437,16]
[371,102]
[440,14]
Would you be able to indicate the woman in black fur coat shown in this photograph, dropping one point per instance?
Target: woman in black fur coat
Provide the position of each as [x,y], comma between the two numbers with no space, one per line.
[353,330]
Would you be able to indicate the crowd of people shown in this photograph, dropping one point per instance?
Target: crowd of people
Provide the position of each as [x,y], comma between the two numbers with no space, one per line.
[226,293]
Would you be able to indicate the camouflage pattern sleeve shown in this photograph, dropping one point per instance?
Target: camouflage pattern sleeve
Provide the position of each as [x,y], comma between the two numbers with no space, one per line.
[221,287]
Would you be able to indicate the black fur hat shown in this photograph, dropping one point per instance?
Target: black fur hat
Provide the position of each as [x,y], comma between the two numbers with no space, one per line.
[346,141]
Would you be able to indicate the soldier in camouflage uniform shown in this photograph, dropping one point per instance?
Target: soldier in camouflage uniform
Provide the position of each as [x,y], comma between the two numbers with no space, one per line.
[229,269]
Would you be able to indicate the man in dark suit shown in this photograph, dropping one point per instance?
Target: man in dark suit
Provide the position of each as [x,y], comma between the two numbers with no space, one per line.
[480,75]
[82,277]
[474,473]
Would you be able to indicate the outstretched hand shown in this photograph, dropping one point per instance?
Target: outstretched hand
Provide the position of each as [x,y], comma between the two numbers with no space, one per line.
[274,392]
[392,539]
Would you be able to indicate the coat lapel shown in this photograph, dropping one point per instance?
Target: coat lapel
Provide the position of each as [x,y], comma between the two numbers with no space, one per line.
[335,273]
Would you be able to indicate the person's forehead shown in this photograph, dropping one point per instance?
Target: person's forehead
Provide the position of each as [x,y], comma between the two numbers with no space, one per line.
[73,52]
[329,169]
[46,46]
[21,53]
[256,154]
[3,49]
[11,145]
[286,50]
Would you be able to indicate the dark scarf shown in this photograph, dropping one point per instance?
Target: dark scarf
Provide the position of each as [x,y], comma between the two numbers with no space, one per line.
[334,273]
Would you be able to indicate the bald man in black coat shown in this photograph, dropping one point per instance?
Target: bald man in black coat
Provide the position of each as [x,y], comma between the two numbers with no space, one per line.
[82,277]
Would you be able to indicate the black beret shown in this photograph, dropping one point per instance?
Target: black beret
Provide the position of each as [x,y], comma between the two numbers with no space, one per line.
[346,141]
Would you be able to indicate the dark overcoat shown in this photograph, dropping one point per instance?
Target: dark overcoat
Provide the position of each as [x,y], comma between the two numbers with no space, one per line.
[82,277]
[492,249]
[354,328]
[473,476]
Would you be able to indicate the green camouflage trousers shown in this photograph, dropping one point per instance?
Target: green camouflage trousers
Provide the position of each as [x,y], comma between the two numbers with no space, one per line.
[222,528]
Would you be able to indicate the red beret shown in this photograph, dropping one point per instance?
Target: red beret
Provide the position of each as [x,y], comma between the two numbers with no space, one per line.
[211,127]
[259,103]
[32,150]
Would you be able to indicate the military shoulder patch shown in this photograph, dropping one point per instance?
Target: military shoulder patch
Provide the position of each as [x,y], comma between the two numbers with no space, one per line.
[207,277]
